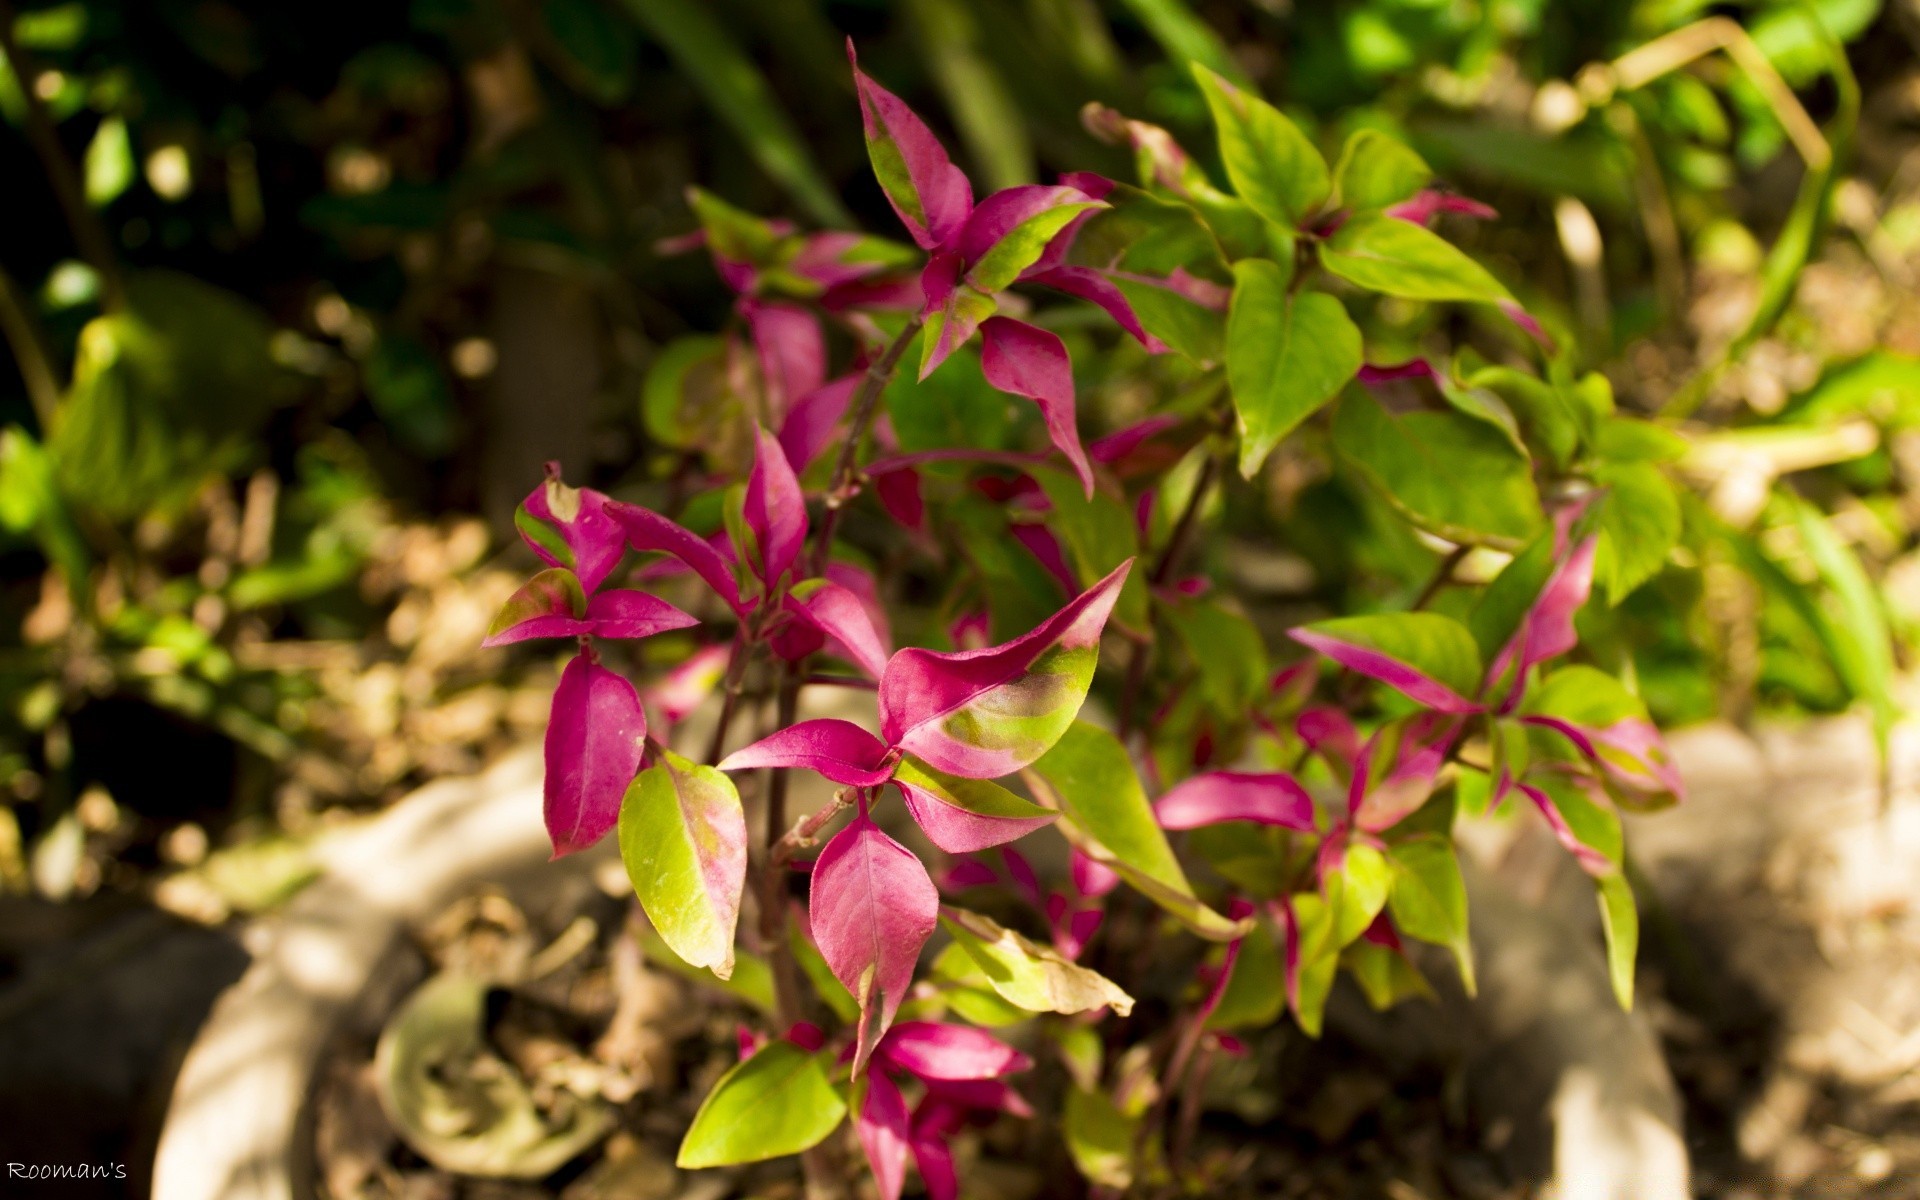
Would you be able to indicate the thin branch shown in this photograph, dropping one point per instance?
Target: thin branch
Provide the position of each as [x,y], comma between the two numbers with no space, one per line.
[24,338]
[89,235]
[841,487]
[1442,577]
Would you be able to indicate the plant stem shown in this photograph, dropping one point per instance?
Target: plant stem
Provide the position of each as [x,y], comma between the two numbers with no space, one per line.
[88,233]
[840,488]
[1184,528]
[29,348]
[730,695]
[1442,577]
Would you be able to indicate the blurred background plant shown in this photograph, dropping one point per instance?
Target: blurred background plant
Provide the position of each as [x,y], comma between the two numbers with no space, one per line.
[297,298]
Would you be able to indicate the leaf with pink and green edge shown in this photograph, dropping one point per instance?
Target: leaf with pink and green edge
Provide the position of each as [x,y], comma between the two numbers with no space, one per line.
[683,839]
[774,511]
[930,194]
[551,604]
[1610,726]
[1429,658]
[595,736]
[571,527]
[961,815]
[871,908]
[986,713]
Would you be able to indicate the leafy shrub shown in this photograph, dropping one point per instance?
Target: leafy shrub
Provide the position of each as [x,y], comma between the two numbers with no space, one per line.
[1296,815]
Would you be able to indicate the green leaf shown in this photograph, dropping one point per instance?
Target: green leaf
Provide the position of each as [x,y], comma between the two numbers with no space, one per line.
[1862,643]
[982,797]
[1183,35]
[778,1102]
[1100,1137]
[1274,167]
[1377,170]
[1027,975]
[1547,421]
[1384,974]
[108,166]
[165,392]
[702,46]
[1288,353]
[1227,648]
[1092,780]
[1398,258]
[968,992]
[1256,992]
[686,402]
[1319,960]
[751,981]
[955,407]
[1630,439]
[1620,920]
[1639,523]
[1417,462]
[1356,890]
[1504,603]
[1189,327]
[1429,898]
[1437,646]
[597,50]
[1100,534]
[683,838]
[826,984]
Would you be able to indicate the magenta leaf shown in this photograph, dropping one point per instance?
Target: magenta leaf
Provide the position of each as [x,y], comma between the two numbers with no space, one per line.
[1012,229]
[1265,798]
[931,1153]
[570,527]
[937,1050]
[1430,659]
[839,750]
[1397,771]
[625,613]
[962,816]
[594,738]
[1547,630]
[775,510]
[882,1127]
[930,194]
[649,532]
[682,689]
[871,908]
[791,349]
[1430,203]
[835,611]
[1609,726]
[1029,361]
[1329,732]
[810,422]
[899,493]
[986,713]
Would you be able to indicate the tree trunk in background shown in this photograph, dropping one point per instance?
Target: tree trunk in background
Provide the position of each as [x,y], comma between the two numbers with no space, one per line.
[544,396]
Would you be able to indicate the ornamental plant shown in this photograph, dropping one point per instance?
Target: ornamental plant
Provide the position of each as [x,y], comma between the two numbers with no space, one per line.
[852,465]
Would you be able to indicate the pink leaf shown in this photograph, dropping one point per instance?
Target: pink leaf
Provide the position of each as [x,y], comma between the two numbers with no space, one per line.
[883,1134]
[594,739]
[1265,798]
[930,194]
[625,613]
[1029,361]
[648,531]
[1006,211]
[582,535]
[937,1050]
[934,1157]
[810,422]
[775,510]
[1413,368]
[837,612]
[1094,286]
[839,750]
[963,816]
[682,689]
[1123,443]
[986,713]
[1044,545]
[899,493]
[1547,631]
[1090,876]
[872,907]
[1329,731]
[791,349]
[1630,751]
[1430,203]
